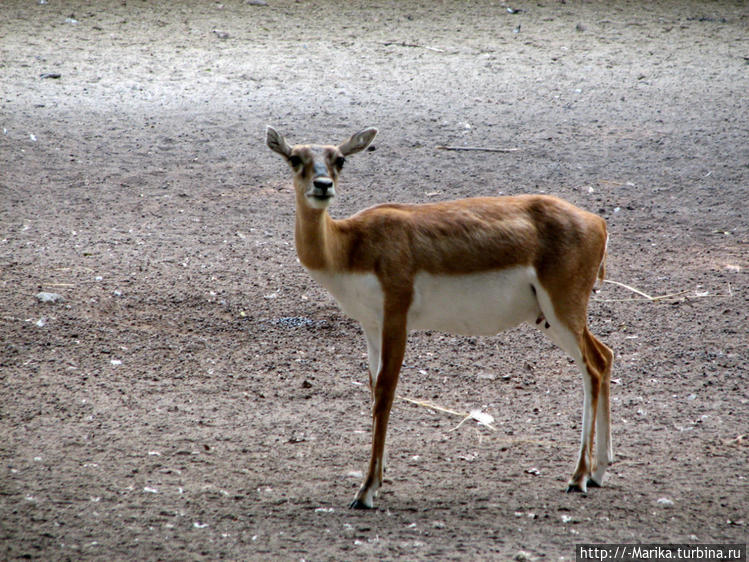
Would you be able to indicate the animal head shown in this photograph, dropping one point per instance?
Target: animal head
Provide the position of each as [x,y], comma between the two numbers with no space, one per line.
[316,167]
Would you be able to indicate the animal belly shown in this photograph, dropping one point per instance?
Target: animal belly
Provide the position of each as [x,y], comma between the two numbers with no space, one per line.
[474,304]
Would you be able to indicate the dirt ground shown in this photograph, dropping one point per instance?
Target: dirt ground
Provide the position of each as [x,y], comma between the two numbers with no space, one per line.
[196,396]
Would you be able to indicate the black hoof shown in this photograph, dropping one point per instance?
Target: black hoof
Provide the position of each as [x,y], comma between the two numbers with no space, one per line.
[593,484]
[574,488]
[358,504]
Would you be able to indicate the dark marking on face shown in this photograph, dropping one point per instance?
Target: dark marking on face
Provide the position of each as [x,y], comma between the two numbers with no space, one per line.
[319,169]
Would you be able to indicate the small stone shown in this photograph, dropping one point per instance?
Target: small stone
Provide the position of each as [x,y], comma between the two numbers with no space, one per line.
[49,297]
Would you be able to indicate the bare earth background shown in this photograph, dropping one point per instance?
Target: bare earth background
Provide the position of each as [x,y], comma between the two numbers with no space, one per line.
[196,396]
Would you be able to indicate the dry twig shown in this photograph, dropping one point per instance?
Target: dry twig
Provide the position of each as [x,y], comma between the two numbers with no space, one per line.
[637,291]
[476,415]
[649,298]
[415,45]
[477,148]
[736,441]
[483,419]
[433,407]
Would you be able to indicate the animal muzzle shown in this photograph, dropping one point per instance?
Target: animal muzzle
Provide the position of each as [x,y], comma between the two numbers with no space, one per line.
[322,188]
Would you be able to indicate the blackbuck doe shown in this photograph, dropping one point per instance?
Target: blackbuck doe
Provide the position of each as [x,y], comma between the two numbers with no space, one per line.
[472,267]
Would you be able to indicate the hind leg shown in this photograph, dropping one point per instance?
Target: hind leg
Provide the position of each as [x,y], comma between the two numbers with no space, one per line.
[594,361]
[602,357]
[585,463]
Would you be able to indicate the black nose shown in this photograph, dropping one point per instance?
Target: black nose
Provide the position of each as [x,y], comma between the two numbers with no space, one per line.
[323,184]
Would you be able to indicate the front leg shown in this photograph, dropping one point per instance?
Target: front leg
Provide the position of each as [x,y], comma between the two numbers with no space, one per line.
[383,392]
[373,335]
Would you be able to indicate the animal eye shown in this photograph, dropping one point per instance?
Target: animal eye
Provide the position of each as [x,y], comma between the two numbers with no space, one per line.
[339,162]
[295,161]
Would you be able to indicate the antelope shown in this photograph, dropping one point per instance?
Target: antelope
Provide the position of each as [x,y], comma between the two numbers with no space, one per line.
[472,267]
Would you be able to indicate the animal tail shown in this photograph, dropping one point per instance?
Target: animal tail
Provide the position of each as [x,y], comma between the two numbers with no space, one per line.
[602,266]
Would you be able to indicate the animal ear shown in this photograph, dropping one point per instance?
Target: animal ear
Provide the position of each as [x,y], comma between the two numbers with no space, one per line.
[358,141]
[277,143]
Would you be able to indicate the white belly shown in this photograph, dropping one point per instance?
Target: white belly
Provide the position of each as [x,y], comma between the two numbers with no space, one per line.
[475,304]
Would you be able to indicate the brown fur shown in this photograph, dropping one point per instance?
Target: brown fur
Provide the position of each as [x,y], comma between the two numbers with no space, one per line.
[565,244]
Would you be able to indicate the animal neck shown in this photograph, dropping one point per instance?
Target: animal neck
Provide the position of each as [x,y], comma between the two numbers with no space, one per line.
[313,234]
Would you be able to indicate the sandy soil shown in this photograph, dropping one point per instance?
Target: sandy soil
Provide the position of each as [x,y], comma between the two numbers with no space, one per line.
[196,396]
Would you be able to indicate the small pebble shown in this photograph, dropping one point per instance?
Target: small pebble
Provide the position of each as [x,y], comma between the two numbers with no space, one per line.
[49,297]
